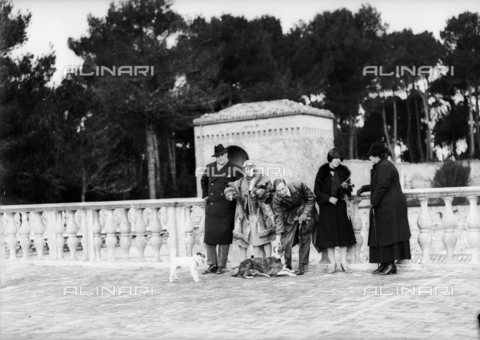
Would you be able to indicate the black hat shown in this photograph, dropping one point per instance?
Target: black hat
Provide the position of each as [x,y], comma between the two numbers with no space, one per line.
[219,149]
[334,153]
[376,149]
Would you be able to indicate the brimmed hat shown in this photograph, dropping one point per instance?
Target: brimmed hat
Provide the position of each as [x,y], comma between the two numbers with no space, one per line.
[376,149]
[248,163]
[219,149]
[334,153]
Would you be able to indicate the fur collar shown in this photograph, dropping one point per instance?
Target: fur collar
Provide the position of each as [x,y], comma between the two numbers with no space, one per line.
[324,172]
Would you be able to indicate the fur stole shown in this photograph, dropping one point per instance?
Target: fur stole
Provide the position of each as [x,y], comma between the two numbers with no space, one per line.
[342,170]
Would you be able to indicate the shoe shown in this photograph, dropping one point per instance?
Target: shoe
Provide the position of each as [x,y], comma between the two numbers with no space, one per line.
[210,270]
[221,270]
[332,269]
[288,262]
[301,270]
[379,269]
[390,268]
[346,269]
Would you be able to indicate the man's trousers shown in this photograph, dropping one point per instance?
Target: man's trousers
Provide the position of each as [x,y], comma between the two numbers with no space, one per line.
[304,244]
[219,260]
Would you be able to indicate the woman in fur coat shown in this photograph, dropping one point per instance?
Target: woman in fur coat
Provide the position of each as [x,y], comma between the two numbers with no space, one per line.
[254,220]
[332,186]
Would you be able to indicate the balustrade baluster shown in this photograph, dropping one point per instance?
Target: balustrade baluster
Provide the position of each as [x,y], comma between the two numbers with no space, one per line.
[189,237]
[449,223]
[11,235]
[72,229]
[48,218]
[81,220]
[135,217]
[39,229]
[424,224]
[198,218]
[24,233]
[473,223]
[171,224]
[151,217]
[108,223]
[2,251]
[201,229]
[60,230]
[357,228]
[125,228]
[97,236]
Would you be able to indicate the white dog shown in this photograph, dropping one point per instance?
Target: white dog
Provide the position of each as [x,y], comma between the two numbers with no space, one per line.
[190,262]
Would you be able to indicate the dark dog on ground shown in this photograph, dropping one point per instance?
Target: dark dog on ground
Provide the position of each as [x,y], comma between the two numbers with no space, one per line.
[268,266]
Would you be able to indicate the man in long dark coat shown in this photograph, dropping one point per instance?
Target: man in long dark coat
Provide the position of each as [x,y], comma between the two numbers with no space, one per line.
[295,218]
[389,233]
[219,212]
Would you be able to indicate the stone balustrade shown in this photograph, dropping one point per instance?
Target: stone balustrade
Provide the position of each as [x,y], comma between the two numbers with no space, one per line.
[86,223]
[151,223]
[424,222]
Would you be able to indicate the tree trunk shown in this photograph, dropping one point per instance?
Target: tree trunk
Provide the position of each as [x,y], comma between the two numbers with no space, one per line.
[470,121]
[477,116]
[355,155]
[394,123]
[409,128]
[385,131]
[150,160]
[351,133]
[164,179]
[84,186]
[426,109]
[419,131]
[158,172]
[454,139]
[427,120]
[172,159]
[230,96]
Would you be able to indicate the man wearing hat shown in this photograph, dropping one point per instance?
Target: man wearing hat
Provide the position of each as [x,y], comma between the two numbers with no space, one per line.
[219,212]
[389,234]
[295,218]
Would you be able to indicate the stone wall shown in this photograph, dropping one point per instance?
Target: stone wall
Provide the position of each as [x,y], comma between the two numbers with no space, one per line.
[292,147]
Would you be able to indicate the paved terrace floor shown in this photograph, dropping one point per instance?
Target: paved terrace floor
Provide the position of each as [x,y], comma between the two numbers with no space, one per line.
[314,306]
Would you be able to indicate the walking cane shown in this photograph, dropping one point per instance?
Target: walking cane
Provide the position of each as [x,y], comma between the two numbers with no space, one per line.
[375,235]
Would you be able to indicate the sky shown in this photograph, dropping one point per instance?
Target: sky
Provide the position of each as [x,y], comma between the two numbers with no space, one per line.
[54,21]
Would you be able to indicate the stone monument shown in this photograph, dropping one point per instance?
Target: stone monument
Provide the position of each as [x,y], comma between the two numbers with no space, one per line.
[284,138]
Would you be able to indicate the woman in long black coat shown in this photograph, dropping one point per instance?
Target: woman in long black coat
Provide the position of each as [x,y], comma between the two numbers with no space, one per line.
[389,233]
[335,227]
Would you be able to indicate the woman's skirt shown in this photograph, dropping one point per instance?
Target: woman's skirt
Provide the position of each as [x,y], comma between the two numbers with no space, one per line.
[334,228]
[390,253]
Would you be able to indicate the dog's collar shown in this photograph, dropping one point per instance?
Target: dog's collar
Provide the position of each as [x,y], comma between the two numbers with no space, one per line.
[195,260]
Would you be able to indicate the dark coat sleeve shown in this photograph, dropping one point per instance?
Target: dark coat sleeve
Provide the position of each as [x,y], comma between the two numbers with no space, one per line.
[384,177]
[319,189]
[278,213]
[309,199]
[204,182]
